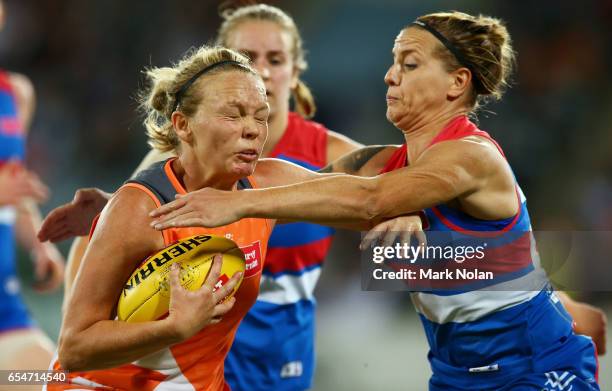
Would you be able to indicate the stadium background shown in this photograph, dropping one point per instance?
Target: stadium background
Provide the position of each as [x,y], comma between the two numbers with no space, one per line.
[85,59]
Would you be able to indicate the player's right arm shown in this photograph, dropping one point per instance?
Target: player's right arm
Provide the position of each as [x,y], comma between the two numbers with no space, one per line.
[90,338]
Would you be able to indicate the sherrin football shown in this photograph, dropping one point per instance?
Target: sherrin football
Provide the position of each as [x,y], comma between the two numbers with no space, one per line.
[146,295]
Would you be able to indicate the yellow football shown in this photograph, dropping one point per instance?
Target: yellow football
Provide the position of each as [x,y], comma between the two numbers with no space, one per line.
[146,295]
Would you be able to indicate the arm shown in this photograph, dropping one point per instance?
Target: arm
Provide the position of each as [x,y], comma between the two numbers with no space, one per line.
[269,172]
[589,320]
[447,171]
[90,338]
[18,183]
[77,250]
[48,261]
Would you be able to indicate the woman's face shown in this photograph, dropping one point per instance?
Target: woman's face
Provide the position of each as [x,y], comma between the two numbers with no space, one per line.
[230,126]
[418,83]
[270,49]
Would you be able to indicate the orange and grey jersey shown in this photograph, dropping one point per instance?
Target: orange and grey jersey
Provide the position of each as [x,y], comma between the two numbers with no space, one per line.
[195,364]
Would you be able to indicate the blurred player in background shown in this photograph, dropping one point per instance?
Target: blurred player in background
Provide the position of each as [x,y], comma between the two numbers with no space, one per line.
[23,345]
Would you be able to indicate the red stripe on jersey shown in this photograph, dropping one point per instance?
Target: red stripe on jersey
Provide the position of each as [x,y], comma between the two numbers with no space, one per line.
[296,259]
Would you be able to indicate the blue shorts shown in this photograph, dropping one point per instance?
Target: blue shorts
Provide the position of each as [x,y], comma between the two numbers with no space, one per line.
[553,358]
[273,349]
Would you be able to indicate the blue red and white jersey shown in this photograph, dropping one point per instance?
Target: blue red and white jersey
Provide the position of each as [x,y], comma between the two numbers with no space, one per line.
[482,332]
[274,345]
[13,313]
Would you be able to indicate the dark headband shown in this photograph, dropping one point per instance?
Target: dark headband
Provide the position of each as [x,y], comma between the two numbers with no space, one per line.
[179,94]
[451,48]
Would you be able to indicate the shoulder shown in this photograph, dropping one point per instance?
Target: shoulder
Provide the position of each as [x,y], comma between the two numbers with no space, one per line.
[130,203]
[125,221]
[24,96]
[272,172]
[472,153]
[22,87]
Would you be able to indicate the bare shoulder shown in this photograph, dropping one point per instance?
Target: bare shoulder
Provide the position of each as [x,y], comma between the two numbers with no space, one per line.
[21,84]
[473,153]
[339,144]
[124,223]
[25,96]
[272,172]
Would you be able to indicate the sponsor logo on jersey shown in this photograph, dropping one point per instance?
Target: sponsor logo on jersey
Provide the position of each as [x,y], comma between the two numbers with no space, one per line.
[252,256]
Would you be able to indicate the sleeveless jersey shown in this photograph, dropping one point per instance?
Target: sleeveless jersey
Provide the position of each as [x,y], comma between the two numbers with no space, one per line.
[487,335]
[197,363]
[13,313]
[274,346]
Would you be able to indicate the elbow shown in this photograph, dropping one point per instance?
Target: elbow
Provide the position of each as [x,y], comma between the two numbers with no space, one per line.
[69,356]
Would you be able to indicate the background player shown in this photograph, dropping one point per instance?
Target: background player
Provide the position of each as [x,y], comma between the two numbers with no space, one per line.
[23,344]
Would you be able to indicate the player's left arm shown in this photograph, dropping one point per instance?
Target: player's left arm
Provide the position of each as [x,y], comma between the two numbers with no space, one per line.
[49,263]
[589,320]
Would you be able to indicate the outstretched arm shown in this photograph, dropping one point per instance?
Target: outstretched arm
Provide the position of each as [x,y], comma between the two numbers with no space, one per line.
[445,172]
